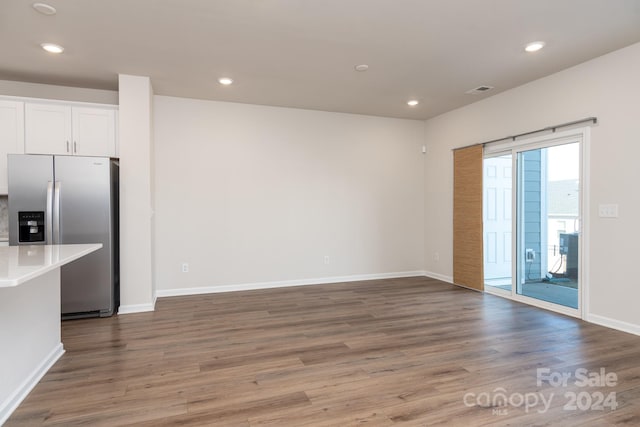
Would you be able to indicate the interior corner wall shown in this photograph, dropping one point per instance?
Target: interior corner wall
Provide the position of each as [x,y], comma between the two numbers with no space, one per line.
[607,88]
[136,203]
[259,196]
[152,201]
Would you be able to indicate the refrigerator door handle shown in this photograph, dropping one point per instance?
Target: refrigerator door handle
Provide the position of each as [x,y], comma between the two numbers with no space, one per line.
[56,212]
[49,214]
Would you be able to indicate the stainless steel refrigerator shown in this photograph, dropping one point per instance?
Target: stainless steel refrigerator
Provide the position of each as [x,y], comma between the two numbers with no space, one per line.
[70,199]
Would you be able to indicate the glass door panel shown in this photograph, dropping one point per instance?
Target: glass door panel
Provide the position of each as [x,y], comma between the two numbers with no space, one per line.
[548,222]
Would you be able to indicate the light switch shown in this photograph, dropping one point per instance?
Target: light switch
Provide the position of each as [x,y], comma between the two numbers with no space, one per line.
[608,211]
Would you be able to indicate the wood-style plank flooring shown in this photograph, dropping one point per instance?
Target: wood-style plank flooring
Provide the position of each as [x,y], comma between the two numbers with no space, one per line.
[382,353]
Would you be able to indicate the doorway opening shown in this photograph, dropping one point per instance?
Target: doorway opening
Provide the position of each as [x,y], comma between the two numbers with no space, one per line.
[497,223]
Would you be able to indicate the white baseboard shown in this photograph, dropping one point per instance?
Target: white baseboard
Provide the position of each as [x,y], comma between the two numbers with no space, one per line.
[438,276]
[136,308]
[285,283]
[12,402]
[613,324]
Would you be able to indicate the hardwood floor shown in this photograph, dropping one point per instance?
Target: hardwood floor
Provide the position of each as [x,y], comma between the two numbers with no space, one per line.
[410,352]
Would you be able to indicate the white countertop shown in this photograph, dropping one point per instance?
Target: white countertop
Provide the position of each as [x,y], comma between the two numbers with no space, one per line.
[19,264]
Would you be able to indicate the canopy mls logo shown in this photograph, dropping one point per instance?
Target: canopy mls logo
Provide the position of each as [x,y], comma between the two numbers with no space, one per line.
[499,400]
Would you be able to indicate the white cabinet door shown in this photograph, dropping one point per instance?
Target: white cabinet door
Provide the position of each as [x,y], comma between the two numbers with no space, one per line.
[11,136]
[47,129]
[94,132]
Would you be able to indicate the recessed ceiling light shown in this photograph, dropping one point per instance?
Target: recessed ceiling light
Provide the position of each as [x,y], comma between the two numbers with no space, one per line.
[534,46]
[361,67]
[44,8]
[413,103]
[225,81]
[53,48]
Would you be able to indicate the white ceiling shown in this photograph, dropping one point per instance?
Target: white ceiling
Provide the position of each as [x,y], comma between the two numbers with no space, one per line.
[302,53]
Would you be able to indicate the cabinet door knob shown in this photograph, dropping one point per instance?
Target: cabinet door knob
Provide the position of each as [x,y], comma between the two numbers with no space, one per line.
[75,147]
[67,146]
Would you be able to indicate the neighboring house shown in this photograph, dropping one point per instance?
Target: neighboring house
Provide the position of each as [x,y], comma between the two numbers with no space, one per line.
[563,208]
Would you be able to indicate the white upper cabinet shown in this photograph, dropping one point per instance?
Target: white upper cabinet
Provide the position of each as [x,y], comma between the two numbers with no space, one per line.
[11,136]
[94,131]
[48,129]
[70,130]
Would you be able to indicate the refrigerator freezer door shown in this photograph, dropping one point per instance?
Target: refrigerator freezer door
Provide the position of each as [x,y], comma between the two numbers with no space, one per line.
[28,181]
[83,185]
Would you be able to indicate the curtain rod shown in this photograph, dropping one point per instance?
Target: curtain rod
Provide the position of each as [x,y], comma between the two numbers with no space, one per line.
[594,120]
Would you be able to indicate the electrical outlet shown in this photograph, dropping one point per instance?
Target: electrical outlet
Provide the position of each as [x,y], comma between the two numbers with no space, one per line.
[530,255]
[185,267]
[326,259]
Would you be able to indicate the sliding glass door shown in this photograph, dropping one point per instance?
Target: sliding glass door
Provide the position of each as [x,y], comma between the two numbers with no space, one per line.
[532,198]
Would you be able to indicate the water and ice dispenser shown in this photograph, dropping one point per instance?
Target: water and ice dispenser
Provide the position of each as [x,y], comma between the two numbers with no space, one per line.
[31,227]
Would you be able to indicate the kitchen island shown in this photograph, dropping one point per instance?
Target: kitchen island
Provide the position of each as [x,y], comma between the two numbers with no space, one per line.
[30,338]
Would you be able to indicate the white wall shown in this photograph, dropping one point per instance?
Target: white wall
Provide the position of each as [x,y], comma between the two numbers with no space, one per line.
[136,184]
[66,93]
[249,194]
[606,87]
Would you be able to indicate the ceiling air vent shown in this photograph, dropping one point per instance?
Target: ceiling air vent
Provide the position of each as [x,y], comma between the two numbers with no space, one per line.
[479,89]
